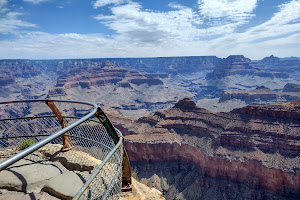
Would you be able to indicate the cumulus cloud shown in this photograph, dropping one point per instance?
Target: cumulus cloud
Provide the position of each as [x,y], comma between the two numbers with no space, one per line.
[101,3]
[132,21]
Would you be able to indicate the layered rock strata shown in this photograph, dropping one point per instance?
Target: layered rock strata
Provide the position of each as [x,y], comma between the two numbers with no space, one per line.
[262,95]
[12,69]
[238,72]
[240,65]
[191,153]
[105,74]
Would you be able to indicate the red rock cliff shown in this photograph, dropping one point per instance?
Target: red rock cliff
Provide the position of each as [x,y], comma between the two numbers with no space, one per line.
[255,147]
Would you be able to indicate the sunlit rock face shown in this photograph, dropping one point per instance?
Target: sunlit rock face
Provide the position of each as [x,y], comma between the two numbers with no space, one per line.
[262,95]
[191,153]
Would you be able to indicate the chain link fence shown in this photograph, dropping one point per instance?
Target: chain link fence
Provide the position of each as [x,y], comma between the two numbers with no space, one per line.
[94,156]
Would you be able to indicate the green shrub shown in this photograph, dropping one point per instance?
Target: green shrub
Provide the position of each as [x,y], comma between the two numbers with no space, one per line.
[26,143]
[134,173]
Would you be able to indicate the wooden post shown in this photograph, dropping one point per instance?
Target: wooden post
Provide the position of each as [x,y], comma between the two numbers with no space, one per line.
[67,143]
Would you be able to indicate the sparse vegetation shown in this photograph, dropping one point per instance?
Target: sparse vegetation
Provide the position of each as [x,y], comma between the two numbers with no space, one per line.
[134,173]
[26,143]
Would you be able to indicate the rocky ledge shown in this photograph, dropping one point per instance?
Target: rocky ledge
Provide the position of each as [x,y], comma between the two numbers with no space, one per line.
[248,153]
[262,95]
[51,174]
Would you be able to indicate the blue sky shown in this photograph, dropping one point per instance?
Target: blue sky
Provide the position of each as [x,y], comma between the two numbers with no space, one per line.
[55,29]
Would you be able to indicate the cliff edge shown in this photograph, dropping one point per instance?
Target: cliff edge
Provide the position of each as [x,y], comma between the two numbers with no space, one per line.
[188,152]
[51,174]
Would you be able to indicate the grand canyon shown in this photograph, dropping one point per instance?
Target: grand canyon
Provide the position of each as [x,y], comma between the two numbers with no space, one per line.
[198,127]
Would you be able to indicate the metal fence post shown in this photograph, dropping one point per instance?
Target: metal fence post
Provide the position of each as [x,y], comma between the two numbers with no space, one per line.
[126,171]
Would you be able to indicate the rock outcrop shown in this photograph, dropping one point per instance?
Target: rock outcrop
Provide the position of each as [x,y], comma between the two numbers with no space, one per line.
[240,65]
[238,72]
[290,66]
[61,177]
[248,153]
[291,87]
[262,95]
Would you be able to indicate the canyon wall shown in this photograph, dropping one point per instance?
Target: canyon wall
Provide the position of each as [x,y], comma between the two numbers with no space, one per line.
[191,153]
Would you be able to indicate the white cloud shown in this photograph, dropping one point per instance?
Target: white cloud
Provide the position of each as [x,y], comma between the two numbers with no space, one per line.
[2,3]
[237,12]
[285,22]
[147,26]
[179,32]
[35,1]
[101,3]
[10,22]
[279,35]
[3,9]
[289,13]
[227,8]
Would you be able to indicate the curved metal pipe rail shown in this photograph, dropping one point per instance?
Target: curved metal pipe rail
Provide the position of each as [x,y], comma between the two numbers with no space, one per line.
[49,139]
[118,151]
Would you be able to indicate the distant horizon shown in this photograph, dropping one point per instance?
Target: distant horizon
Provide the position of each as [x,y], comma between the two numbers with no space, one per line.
[146,57]
[53,29]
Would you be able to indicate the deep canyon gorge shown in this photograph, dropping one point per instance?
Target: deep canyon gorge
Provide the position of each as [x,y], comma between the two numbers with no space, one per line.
[197,127]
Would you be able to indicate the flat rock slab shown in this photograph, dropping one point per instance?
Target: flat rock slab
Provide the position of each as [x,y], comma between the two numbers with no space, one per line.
[28,176]
[13,195]
[65,185]
[47,170]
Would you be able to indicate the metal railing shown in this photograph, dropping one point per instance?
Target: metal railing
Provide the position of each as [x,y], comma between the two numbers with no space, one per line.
[81,140]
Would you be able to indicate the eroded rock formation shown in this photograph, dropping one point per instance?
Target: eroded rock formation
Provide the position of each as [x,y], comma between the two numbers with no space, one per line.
[104,74]
[291,87]
[191,153]
[262,95]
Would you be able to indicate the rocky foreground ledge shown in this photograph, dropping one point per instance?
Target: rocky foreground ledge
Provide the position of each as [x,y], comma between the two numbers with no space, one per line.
[188,152]
[51,174]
